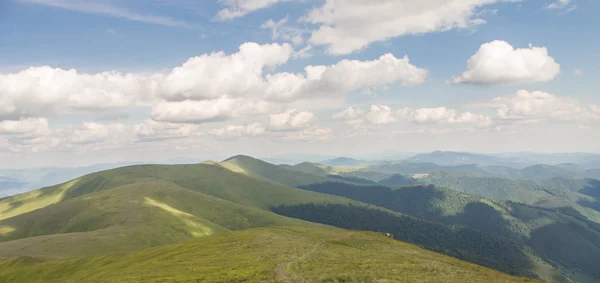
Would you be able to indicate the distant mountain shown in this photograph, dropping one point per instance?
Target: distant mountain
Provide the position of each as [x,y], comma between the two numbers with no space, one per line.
[449,158]
[586,160]
[343,161]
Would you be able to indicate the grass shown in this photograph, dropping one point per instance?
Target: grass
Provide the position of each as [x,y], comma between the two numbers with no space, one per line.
[277,254]
[125,218]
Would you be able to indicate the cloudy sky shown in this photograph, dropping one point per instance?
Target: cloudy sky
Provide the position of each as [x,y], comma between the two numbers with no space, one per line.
[83,82]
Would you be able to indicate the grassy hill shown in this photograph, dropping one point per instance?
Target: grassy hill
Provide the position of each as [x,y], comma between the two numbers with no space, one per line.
[263,255]
[136,207]
[142,206]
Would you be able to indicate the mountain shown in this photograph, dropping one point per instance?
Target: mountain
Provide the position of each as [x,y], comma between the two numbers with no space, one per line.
[24,180]
[541,230]
[263,255]
[586,160]
[130,209]
[141,206]
[344,161]
[449,158]
[137,207]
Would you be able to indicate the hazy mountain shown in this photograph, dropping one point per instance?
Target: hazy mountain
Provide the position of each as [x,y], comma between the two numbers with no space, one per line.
[449,158]
[343,161]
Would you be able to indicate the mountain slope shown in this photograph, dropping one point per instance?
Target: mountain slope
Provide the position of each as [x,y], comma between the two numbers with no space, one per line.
[126,218]
[541,229]
[263,255]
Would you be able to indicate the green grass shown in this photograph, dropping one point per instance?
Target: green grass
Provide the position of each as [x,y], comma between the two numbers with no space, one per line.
[292,254]
[126,218]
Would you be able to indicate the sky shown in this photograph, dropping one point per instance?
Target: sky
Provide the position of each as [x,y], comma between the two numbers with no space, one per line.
[84,82]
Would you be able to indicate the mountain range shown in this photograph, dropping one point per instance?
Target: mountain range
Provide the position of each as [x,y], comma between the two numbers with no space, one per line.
[209,220]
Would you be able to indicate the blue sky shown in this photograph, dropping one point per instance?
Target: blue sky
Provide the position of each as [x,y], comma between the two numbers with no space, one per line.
[145,38]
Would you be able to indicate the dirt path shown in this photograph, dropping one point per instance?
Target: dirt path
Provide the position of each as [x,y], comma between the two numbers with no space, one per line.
[281,268]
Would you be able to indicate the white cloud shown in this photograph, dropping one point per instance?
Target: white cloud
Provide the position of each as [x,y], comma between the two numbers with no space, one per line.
[105,8]
[150,131]
[578,72]
[215,75]
[87,136]
[443,115]
[45,90]
[313,133]
[497,62]
[535,106]
[238,8]
[189,111]
[347,26]
[382,114]
[344,76]
[280,31]
[254,129]
[560,4]
[28,126]
[358,118]
[290,120]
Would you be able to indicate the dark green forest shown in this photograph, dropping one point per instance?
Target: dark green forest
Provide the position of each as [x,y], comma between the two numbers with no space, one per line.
[477,247]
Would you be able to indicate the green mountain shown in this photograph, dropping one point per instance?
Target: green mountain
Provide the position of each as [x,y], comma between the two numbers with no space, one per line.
[133,208]
[263,255]
[542,230]
[141,206]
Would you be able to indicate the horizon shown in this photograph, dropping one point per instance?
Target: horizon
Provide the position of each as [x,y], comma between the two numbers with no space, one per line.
[300,158]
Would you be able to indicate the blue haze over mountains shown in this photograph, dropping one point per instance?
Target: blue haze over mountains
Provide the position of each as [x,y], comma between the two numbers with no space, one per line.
[519,166]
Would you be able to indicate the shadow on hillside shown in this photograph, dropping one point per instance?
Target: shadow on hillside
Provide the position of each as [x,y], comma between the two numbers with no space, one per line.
[580,252]
[426,202]
[470,245]
[485,218]
[592,189]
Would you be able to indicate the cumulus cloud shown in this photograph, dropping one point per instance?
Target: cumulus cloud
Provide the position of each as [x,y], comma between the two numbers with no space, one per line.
[238,8]
[443,115]
[254,129]
[290,120]
[190,111]
[382,114]
[217,74]
[28,126]
[535,106]
[578,72]
[347,26]
[313,133]
[210,87]
[45,90]
[344,76]
[87,136]
[280,31]
[498,62]
[150,131]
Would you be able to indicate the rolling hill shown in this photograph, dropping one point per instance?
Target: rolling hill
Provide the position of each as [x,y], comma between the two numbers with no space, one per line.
[141,206]
[263,255]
